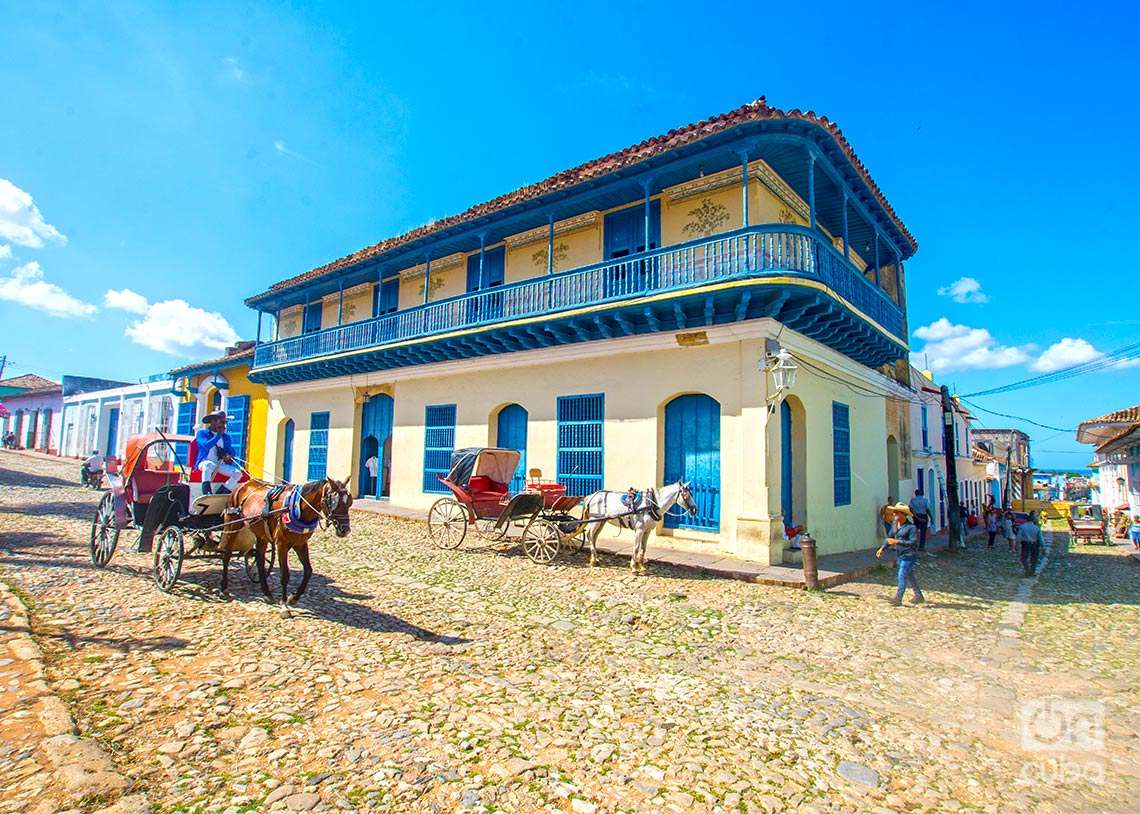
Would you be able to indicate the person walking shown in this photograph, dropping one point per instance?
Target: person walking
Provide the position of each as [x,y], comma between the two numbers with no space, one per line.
[920,511]
[991,526]
[1031,539]
[887,516]
[1134,531]
[903,540]
[1007,529]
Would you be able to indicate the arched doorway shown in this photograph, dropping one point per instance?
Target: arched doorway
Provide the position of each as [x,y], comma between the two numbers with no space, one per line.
[692,453]
[510,433]
[376,443]
[793,461]
[287,451]
[893,469]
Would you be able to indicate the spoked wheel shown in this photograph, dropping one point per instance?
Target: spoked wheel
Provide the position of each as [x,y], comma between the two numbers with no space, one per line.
[104,532]
[251,564]
[168,558]
[541,541]
[447,523]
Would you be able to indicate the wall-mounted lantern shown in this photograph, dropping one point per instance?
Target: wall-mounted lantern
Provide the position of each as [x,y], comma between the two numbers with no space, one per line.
[782,367]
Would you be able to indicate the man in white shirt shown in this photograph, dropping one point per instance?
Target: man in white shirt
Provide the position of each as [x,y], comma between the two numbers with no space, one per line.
[91,466]
[373,466]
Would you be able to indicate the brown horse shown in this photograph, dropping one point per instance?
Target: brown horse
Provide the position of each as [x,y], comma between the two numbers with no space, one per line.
[285,517]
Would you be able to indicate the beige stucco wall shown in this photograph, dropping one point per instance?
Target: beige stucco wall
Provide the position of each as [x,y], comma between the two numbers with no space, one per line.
[581,247]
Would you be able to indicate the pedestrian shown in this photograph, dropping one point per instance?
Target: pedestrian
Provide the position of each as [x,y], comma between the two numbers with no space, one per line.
[373,466]
[1134,531]
[887,516]
[920,511]
[1007,529]
[903,540]
[991,527]
[1031,539]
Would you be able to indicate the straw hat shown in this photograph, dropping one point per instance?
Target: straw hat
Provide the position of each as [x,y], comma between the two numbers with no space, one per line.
[902,507]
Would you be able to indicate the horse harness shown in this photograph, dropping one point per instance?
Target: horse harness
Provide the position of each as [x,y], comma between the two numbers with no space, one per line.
[638,503]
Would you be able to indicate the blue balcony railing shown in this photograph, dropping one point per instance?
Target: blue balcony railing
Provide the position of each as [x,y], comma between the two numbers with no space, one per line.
[758,251]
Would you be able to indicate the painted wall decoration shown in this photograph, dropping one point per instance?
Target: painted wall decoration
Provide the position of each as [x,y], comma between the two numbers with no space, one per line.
[786,215]
[349,312]
[290,326]
[436,285]
[706,219]
[560,252]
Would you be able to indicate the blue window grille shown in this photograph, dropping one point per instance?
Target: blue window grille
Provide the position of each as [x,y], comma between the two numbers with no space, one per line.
[237,425]
[439,443]
[187,413]
[318,445]
[925,429]
[841,452]
[581,454]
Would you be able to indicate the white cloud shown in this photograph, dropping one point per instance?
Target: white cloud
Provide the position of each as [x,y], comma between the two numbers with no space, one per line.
[1066,353]
[176,327]
[26,286]
[960,347]
[234,69]
[964,289]
[126,300]
[20,219]
[5,251]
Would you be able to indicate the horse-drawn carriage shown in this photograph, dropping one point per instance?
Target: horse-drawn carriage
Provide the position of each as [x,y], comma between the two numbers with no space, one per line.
[155,493]
[538,518]
[1087,523]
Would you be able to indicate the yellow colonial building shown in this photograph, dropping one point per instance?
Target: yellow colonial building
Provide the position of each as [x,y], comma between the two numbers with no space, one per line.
[618,323]
[224,384]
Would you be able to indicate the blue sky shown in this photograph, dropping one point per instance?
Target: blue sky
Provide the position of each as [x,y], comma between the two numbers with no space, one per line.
[194,153]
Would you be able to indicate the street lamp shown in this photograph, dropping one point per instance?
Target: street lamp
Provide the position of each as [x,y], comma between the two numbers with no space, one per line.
[782,368]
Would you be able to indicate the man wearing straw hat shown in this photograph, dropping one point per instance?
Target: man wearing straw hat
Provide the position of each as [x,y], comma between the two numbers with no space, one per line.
[903,540]
[215,453]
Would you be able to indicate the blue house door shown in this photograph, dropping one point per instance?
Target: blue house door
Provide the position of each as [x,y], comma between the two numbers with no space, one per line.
[376,442]
[112,430]
[624,236]
[692,453]
[512,435]
[787,507]
[489,306]
[287,453]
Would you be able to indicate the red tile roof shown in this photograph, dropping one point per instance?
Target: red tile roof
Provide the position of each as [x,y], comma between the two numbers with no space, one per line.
[240,351]
[1113,442]
[758,110]
[30,382]
[1128,414]
[1101,429]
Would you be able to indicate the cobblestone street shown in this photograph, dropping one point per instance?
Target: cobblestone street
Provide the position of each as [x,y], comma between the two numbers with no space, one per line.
[412,679]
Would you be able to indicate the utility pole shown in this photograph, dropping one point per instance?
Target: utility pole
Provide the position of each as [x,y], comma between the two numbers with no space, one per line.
[1008,474]
[3,364]
[951,469]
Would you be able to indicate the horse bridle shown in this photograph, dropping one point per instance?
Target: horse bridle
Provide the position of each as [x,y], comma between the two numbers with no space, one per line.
[334,497]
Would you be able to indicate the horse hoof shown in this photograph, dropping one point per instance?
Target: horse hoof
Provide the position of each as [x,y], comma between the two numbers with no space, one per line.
[286,613]
[294,599]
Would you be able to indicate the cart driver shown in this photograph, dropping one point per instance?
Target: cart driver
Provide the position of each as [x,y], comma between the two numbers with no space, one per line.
[215,453]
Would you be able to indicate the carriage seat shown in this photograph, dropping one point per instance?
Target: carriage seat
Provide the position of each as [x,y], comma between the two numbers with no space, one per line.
[149,481]
[196,473]
[485,490]
[209,504]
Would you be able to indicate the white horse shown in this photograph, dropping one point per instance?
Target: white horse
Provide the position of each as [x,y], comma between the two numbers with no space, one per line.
[642,518]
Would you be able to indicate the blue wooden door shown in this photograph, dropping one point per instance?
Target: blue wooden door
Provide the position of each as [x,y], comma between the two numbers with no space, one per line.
[187,413]
[490,305]
[787,504]
[692,453]
[581,443]
[624,233]
[512,435]
[376,439]
[112,431]
[287,453]
[237,427]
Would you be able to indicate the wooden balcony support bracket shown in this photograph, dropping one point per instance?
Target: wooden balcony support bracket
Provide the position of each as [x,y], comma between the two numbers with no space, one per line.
[651,317]
[603,328]
[679,315]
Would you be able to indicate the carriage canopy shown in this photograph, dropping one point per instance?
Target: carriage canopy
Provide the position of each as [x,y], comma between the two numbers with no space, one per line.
[496,464]
[151,451]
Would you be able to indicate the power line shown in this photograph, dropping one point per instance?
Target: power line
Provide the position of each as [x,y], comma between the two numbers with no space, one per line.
[1016,417]
[1116,357]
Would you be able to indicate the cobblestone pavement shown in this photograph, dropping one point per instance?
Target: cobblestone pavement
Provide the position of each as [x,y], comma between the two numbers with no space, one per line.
[419,680]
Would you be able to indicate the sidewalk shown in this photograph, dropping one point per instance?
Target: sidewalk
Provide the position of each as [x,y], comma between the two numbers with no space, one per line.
[834,569]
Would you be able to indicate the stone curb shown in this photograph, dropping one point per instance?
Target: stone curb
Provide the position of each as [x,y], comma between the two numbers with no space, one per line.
[71,756]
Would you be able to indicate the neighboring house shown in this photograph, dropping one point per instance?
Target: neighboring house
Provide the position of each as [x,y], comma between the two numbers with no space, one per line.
[613,323]
[1116,438]
[100,414]
[1010,448]
[31,411]
[223,384]
[928,452]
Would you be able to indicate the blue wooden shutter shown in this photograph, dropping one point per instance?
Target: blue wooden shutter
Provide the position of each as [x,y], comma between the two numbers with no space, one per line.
[841,452]
[512,435]
[925,429]
[237,413]
[386,297]
[312,318]
[581,454]
[318,445]
[787,502]
[187,413]
[287,455]
[692,453]
[921,481]
[439,443]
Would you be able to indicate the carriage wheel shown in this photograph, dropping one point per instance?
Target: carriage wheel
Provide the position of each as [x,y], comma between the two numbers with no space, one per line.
[541,541]
[447,523]
[251,564]
[168,558]
[104,532]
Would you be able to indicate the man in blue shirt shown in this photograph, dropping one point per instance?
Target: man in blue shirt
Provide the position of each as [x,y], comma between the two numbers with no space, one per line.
[903,540]
[215,451]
